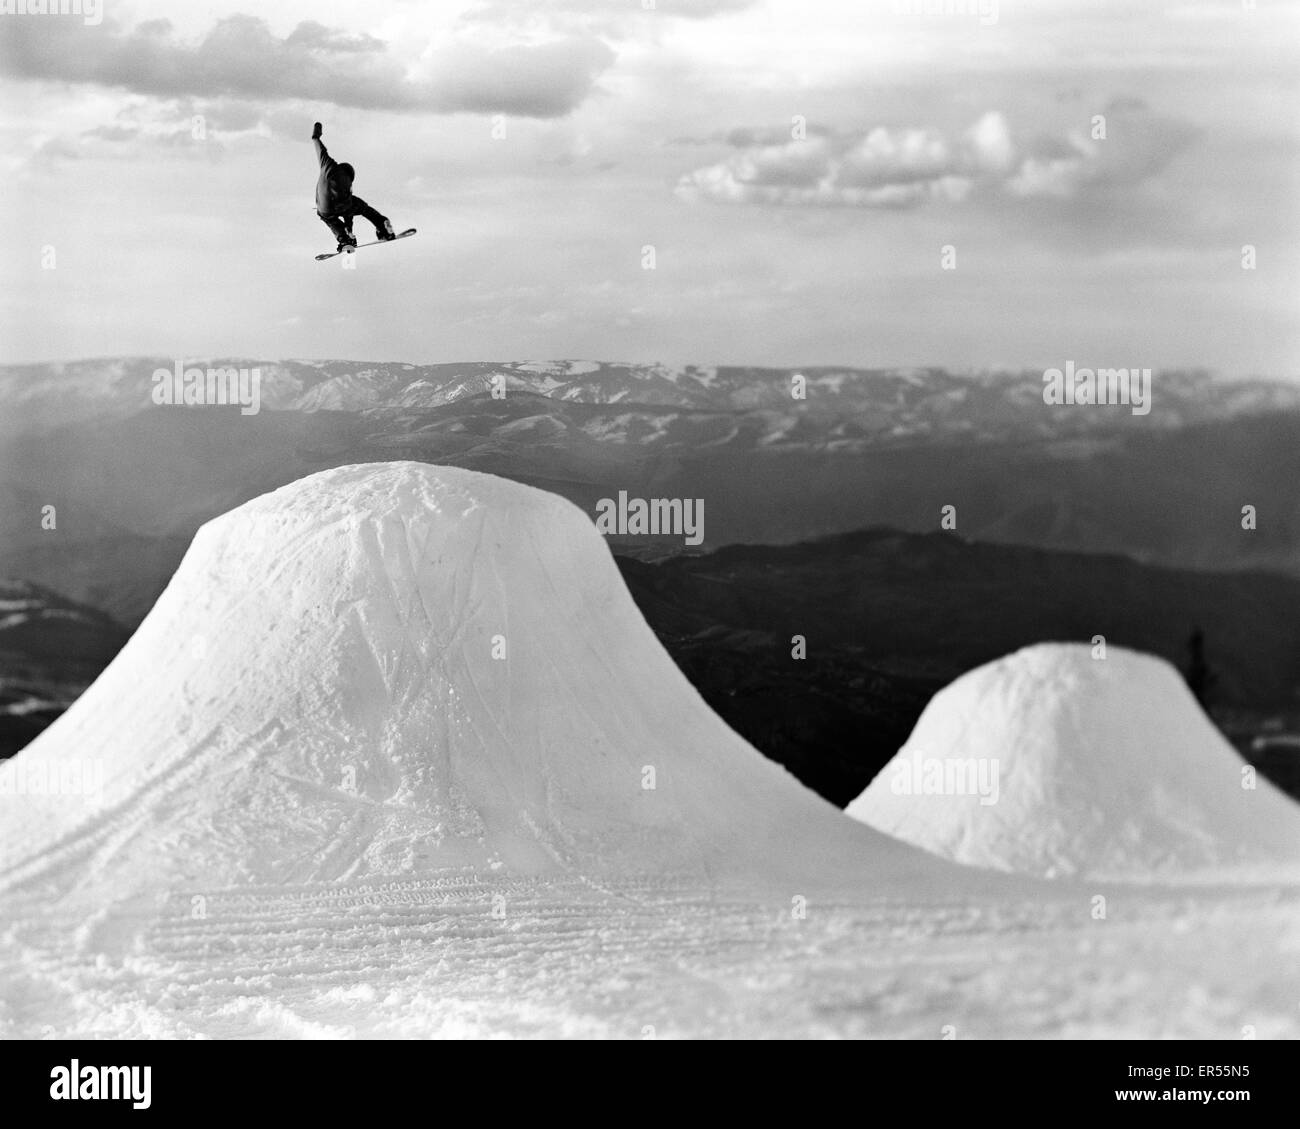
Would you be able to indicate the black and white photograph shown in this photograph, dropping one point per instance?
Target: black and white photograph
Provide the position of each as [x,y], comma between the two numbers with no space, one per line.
[650,520]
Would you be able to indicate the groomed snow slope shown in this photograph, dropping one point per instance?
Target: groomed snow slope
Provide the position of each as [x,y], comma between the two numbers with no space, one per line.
[328,811]
[1104,768]
[395,669]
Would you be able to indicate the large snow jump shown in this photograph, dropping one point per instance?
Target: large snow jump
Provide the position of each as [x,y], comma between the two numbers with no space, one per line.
[392,669]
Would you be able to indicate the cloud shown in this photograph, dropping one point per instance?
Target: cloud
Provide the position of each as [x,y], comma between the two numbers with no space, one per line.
[1125,103]
[113,133]
[233,116]
[744,137]
[691,9]
[125,141]
[495,11]
[1136,149]
[885,168]
[543,81]
[241,58]
[310,34]
[904,168]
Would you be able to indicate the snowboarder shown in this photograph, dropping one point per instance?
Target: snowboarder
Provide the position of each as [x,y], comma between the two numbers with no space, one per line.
[335,203]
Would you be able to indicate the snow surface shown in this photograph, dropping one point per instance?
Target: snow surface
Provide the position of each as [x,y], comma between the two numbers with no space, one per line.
[1106,767]
[328,810]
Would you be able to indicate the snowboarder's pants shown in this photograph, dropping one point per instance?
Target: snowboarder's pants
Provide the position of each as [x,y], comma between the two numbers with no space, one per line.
[341,224]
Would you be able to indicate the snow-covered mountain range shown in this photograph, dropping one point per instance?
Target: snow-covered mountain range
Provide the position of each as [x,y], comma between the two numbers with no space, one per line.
[885,404]
[132,480]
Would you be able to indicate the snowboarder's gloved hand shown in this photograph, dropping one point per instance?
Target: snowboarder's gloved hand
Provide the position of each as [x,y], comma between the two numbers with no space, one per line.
[316,131]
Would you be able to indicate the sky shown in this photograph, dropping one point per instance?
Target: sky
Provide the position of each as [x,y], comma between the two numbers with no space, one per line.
[757,182]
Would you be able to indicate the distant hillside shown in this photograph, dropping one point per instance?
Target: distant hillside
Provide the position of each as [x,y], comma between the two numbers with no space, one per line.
[51,649]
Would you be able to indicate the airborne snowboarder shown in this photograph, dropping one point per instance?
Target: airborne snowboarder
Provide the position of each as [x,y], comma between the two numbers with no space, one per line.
[335,203]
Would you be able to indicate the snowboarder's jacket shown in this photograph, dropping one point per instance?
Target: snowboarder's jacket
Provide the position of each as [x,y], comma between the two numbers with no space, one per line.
[333,186]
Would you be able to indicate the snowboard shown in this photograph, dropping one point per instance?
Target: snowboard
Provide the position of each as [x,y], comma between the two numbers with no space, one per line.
[372,243]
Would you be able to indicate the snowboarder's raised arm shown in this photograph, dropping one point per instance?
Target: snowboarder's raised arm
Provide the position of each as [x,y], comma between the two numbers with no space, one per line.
[322,154]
